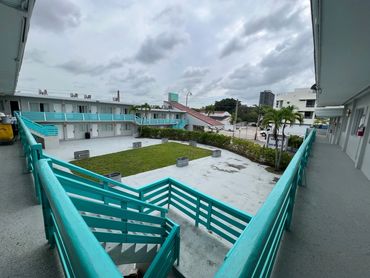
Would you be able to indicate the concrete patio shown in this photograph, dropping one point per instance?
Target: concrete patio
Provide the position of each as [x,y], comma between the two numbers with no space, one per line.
[329,235]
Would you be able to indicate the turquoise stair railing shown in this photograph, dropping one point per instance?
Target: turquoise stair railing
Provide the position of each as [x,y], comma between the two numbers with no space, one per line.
[45,130]
[255,239]
[79,216]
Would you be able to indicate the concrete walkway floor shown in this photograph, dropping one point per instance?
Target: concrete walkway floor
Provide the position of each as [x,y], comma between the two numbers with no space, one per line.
[23,247]
[330,232]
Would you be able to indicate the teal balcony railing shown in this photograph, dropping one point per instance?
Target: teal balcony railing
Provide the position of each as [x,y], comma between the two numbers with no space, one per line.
[65,190]
[46,130]
[254,253]
[90,117]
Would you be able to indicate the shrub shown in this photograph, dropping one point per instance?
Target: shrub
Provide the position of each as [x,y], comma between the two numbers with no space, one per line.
[295,141]
[250,150]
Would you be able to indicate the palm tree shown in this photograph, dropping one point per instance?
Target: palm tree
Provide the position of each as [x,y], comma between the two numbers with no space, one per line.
[146,107]
[209,109]
[289,118]
[260,109]
[274,117]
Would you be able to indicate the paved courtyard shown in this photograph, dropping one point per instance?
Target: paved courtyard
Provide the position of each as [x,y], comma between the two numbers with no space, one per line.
[231,178]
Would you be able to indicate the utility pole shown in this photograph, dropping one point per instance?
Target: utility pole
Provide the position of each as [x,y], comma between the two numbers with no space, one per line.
[236,116]
[187,95]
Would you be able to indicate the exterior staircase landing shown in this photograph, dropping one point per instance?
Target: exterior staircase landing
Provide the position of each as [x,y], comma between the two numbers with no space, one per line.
[201,252]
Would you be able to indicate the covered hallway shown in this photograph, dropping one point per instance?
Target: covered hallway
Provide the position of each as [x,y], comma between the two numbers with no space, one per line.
[330,232]
[23,248]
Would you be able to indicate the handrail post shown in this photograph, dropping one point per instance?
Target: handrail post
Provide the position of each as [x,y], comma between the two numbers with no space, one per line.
[48,221]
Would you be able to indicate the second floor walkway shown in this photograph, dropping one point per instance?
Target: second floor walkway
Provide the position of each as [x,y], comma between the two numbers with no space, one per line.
[329,234]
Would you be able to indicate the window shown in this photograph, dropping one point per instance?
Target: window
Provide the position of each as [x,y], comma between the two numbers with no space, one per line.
[358,120]
[107,127]
[310,103]
[82,109]
[308,114]
[106,110]
[177,116]
[155,116]
[44,107]
[2,108]
[34,107]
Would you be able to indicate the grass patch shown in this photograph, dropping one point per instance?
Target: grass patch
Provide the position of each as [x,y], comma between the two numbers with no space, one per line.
[136,161]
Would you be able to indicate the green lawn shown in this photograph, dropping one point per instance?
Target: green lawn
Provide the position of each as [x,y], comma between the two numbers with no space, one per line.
[141,160]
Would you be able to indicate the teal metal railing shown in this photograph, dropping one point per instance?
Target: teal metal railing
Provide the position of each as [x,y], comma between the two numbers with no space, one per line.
[46,130]
[254,253]
[78,215]
[90,117]
[216,216]
[256,239]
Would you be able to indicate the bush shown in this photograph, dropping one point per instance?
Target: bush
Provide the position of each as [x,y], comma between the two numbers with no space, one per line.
[295,141]
[250,150]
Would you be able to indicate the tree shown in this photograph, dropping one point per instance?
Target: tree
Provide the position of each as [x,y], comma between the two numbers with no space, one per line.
[274,117]
[227,104]
[209,109]
[134,109]
[146,107]
[289,117]
[260,109]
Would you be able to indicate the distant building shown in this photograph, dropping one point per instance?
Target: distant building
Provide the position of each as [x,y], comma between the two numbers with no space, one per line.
[267,98]
[221,116]
[303,99]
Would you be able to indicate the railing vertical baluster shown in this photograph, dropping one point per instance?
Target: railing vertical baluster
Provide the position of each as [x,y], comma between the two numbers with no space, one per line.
[48,221]
[209,215]
[36,153]
[169,195]
[292,193]
[106,187]
[197,212]
[124,219]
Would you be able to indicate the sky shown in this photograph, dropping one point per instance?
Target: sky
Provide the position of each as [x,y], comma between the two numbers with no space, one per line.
[213,48]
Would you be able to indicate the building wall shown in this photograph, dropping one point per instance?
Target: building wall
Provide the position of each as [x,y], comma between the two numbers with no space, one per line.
[298,98]
[345,135]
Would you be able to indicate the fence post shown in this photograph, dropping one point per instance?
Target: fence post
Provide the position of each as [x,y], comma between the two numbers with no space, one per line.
[105,187]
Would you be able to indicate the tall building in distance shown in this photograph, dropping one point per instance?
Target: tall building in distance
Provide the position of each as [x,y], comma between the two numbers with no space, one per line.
[267,98]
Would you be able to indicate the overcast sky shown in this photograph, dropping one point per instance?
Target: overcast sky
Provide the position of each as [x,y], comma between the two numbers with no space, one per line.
[214,48]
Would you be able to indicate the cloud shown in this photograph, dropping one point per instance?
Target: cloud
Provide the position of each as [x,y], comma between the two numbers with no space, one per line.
[135,79]
[191,72]
[35,56]
[173,14]
[82,67]
[233,45]
[286,18]
[56,15]
[159,47]
[289,58]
